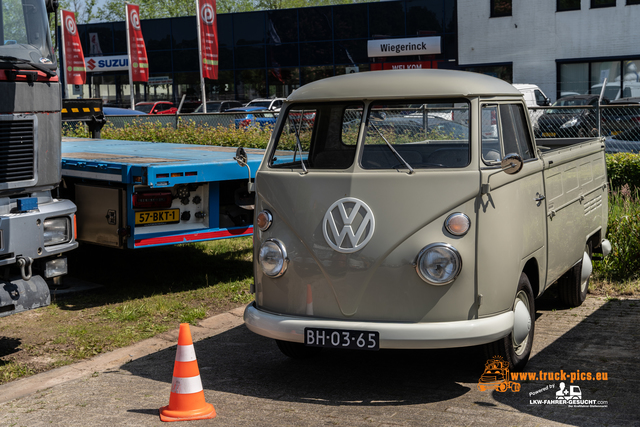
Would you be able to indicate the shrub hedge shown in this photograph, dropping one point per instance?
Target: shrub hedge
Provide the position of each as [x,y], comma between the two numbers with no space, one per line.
[623,168]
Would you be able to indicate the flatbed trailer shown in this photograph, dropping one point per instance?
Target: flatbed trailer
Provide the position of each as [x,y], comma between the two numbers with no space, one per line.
[133,194]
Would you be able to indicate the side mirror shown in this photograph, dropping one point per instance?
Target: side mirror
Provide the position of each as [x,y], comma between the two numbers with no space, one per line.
[511,163]
[241,157]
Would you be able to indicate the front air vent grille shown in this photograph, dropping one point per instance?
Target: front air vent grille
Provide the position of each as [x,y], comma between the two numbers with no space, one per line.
[17,150]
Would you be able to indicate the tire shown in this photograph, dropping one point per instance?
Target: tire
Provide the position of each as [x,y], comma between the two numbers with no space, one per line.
[571,290]
[297,350]
[517,353]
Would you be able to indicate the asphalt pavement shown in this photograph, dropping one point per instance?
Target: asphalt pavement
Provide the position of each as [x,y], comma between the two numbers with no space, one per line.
[250,383]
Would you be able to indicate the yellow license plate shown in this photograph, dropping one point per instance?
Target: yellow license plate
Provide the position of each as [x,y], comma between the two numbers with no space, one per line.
[548,134]
[158,217]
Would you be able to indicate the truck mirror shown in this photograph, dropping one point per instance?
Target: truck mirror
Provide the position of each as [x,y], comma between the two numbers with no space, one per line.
[511,163]
[241,157]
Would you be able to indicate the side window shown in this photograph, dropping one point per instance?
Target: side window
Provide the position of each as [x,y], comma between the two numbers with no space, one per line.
[515,132]
[490,135]
[541,100]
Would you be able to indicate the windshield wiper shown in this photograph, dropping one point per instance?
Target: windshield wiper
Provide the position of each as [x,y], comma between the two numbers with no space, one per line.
[392,149]
[298,145]
[37,66]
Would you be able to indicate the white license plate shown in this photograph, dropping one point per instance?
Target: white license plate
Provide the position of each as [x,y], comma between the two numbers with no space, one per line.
[341,338]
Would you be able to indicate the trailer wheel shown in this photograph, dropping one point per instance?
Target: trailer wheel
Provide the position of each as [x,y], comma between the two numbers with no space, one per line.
[297,350]
[516,347]
[572,290]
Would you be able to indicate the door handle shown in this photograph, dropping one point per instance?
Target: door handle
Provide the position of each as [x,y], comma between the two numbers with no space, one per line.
[539,198]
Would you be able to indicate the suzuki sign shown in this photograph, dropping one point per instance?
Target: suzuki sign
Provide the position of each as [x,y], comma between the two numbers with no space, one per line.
[107,63]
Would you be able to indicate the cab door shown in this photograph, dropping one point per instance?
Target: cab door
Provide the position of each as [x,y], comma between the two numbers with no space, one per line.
[511,213]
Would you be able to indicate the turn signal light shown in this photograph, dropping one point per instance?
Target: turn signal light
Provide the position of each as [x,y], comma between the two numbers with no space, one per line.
[152,199]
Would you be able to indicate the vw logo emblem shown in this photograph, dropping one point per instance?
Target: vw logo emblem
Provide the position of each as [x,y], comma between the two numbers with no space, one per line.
[135,19]
[348,225]
[71,25]
[207,14]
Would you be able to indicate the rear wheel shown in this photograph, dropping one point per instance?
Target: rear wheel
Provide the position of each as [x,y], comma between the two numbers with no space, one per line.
[572,288]
[297,350]
[516,347]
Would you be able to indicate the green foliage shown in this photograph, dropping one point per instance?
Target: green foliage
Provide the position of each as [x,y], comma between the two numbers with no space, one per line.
[623,231]
[187,133]
[623,168]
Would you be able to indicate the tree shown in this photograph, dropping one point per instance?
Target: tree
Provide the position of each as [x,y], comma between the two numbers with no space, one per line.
[113,10]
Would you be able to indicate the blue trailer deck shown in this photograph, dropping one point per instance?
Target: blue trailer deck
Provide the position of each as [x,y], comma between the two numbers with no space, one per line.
[137,194]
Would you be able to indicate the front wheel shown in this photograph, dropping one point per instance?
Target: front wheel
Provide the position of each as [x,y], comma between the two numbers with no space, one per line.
[516,347]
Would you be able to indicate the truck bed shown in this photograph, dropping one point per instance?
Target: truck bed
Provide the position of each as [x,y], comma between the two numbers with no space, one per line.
[120,161]
[198,191]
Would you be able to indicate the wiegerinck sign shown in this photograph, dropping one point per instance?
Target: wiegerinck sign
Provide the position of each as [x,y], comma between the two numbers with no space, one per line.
[404,47]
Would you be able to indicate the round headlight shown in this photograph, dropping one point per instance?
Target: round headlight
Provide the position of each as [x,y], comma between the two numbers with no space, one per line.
[457,224]
[273,258]
[264,220]
[439,264]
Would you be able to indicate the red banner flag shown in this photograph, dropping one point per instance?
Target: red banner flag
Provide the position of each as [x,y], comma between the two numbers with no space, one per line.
[75,71]
[208,38]
[137,51]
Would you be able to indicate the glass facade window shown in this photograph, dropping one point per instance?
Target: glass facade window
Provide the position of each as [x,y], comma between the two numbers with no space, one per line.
[623,78]
[564,5]
[387,19]
[632,2]
[574,79]
[351,21]
[320,53]
[425,17]
[603,3]
[282,26]
[501,71]
[248,28]
[500,8]
[270,53]
[316,23]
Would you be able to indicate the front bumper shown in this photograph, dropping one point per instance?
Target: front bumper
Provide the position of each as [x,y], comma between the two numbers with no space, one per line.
[462,333]
[17,295]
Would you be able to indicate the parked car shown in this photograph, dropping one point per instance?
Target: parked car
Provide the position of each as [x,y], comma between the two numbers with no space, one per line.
[569,122]
[258,119]
[115,111]
[624,114]
[624,142]
[158,107]
[218,106]
[533,95]
[273,104]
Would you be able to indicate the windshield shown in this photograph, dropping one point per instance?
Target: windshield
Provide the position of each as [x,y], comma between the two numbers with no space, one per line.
[264,104]
[24,32]
[406,136]
[572,102]
[323,135]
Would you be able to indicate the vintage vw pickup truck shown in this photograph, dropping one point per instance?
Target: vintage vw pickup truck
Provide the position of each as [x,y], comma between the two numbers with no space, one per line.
[413,209]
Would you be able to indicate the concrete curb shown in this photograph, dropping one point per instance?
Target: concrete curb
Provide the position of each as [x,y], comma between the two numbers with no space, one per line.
[206,328]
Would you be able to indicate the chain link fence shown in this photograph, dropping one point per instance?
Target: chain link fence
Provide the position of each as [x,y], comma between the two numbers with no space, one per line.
[618,124]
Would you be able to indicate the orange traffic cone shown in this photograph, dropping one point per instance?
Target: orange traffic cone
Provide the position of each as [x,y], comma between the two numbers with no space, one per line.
[187,396]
